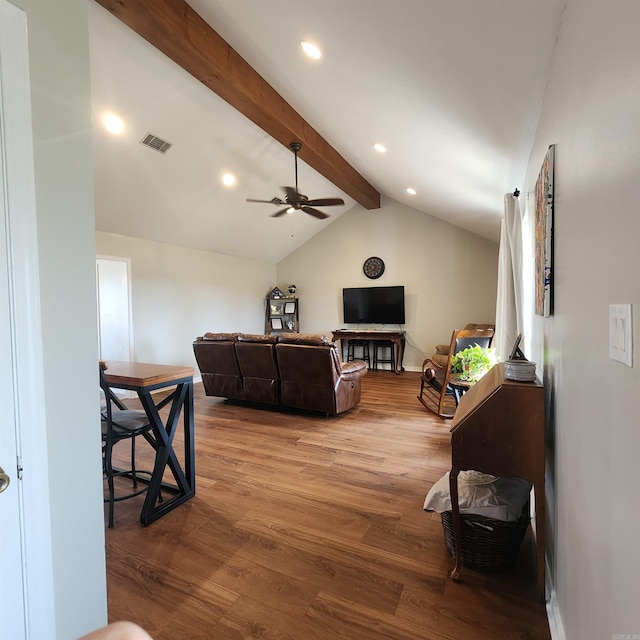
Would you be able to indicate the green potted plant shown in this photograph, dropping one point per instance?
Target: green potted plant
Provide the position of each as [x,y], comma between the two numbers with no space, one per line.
[472,363]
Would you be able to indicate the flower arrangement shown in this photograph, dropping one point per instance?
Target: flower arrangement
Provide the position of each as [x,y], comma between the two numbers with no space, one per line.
[472,363]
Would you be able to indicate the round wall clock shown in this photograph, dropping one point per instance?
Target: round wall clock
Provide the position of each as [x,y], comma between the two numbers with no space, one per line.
[373,267]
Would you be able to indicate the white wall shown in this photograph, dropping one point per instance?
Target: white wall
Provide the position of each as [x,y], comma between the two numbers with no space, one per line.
[60,94]
[178,294]
[592,114]
[449,274]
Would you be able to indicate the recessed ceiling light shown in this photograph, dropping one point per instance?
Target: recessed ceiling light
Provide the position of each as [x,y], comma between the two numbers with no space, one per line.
[311,50]
[411,191]
[228,179]
[113,124]
[380,147]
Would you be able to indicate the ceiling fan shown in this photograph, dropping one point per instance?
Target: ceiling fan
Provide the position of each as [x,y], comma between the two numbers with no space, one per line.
[296,201]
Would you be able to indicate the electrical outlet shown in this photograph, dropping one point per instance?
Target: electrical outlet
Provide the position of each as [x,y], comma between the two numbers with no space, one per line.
[621,333]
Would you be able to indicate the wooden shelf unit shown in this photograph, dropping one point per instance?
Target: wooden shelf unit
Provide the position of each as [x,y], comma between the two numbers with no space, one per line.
[281,316]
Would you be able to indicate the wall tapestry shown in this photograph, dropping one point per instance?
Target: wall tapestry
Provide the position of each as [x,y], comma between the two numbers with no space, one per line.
[544,236]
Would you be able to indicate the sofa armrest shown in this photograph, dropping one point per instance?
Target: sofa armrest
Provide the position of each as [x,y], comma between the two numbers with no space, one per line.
[353,368]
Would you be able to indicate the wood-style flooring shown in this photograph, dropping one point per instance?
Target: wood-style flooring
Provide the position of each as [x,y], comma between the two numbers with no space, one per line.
[311,528]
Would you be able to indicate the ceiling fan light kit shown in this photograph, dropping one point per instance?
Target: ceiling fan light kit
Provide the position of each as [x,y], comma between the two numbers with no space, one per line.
[296,201]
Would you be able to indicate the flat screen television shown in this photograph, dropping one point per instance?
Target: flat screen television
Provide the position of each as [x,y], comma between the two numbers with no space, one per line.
[373,305]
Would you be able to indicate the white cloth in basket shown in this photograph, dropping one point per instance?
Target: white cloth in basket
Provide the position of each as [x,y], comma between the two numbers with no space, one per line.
[481,494]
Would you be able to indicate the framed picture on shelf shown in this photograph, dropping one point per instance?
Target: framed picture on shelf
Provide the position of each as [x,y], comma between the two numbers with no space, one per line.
[276,308]
[290,307]
[276,324]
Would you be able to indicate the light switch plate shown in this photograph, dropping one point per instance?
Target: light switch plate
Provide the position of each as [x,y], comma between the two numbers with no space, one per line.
[621,333]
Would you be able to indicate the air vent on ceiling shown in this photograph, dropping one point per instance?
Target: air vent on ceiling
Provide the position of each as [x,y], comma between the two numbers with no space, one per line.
[156,143]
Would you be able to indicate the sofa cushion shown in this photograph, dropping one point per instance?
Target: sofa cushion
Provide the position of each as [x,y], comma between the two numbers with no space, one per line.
[218,364]
[473,326]
[307,376]
[260,377]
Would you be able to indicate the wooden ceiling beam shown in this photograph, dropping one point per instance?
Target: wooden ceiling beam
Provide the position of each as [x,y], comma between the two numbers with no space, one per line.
[176,30]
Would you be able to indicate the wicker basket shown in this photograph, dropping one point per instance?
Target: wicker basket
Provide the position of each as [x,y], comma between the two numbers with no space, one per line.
[487,545]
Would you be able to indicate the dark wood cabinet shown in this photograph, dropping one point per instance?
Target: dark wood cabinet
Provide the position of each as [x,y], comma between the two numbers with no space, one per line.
[498,428]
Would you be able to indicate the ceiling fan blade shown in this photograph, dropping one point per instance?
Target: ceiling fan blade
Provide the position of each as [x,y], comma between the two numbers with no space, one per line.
[315,212]
[325,202]
[277,214]
[277,201]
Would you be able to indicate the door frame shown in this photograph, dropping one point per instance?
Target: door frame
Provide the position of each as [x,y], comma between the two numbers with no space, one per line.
[27,369]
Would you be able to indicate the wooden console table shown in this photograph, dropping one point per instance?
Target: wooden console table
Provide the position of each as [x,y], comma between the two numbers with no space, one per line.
[397,337]
[498,428]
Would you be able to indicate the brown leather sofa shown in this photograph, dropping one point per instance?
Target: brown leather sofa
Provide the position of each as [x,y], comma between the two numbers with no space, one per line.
[299,371]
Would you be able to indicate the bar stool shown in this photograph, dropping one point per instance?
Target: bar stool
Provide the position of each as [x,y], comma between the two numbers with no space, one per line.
[377,359]
[352,345]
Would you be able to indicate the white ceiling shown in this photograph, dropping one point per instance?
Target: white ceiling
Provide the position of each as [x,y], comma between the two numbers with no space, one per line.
[453,89]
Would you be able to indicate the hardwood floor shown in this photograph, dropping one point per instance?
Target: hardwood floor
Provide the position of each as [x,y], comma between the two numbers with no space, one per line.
[311,528]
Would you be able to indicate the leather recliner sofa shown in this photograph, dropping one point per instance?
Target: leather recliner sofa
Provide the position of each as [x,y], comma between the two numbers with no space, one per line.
[299,371]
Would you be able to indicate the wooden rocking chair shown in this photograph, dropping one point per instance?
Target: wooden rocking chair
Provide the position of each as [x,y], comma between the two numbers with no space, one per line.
[436,393]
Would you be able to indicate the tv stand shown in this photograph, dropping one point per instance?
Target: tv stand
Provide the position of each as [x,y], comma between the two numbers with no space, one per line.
[373,335]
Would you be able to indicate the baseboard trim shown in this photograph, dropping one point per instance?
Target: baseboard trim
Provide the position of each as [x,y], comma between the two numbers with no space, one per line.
[555,620]
[556,628]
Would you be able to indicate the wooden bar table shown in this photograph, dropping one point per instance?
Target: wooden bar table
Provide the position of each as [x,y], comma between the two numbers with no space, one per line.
[397,337]
[145,378]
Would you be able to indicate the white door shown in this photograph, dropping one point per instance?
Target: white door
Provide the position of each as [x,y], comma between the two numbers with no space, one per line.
[114,309]
[26,572]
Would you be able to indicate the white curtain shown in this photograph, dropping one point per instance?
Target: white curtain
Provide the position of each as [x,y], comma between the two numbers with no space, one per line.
[509,302]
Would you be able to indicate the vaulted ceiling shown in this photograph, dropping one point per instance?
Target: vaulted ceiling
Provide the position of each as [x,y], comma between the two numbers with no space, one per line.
[452,88]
